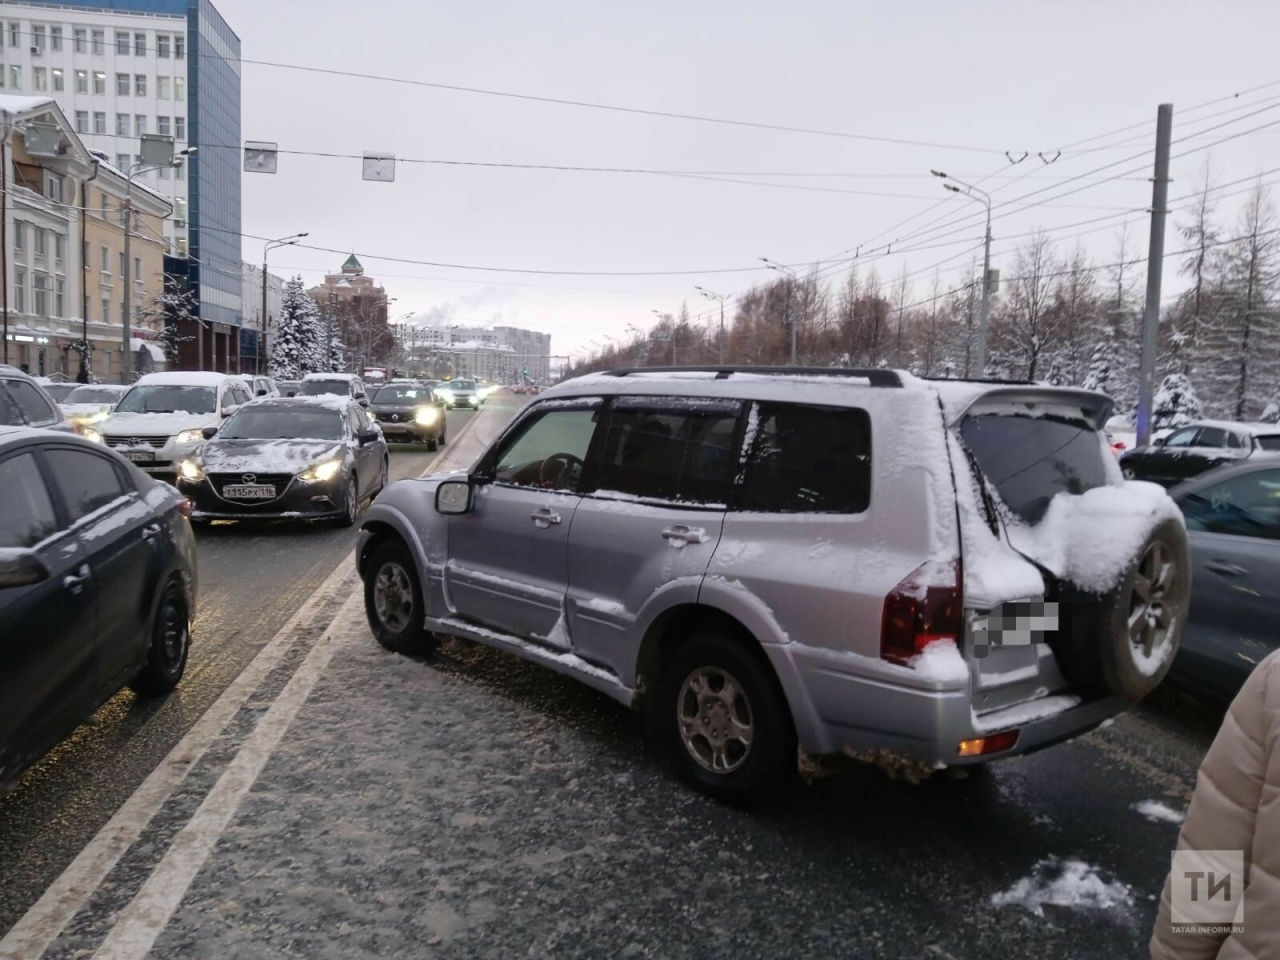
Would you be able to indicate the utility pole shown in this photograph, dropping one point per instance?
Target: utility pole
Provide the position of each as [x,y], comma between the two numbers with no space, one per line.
[984,308]
[722,297]
[4,228]
[787,321]
[1155,270]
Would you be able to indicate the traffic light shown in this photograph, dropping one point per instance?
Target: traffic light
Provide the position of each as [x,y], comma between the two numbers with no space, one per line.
[526,371]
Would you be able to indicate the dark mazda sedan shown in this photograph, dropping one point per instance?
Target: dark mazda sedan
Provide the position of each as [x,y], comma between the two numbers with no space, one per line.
[306,458]
[97,587]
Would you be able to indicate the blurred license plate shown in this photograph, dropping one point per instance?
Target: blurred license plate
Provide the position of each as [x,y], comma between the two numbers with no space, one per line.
[140,456]
[250,491]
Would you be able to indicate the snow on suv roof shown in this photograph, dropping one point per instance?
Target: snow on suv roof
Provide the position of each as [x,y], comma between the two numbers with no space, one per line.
[329,376]
[187,378]
[1231,426]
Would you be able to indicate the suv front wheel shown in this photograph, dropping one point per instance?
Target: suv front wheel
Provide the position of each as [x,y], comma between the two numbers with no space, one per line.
[724,723]
[393,599]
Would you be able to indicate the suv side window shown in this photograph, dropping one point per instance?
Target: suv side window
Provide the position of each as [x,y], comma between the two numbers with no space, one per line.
[88,481]
[806,459]
[10,412]
[1212,437]
[31,402]
[549,450]
[26,512]
[1182,438]
[1243,506]
[658,450]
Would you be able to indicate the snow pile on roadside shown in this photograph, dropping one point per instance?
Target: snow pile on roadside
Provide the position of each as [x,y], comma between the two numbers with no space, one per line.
[1064,883]
[1092,538]
[1158,812]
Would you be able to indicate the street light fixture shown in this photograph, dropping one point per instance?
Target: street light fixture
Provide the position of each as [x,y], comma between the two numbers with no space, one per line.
[984,198]
[722,297]
[262,318]
[791,279]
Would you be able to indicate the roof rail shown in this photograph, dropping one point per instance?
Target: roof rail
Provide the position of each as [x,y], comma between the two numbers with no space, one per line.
[992,380]
[876,377]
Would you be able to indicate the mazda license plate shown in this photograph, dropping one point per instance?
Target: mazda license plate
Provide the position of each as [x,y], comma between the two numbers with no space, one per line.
[250,491]
[140,456]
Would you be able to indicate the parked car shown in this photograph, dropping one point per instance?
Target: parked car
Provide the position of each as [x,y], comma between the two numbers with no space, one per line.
[333,384]
[160,421]
[300,458]
[288,388]
[460,393]
[24,402]
[1189,451]
[768,557]
[57,389]
[90,402]
[406,410]
[97,587]
[1233,523]
[260,385]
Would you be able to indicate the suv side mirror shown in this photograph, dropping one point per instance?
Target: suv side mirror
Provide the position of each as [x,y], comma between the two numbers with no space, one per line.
[291,393]
[363,401]
[209,432]
[262,392]
[365,437]
[21,568]
[1158,441]
[453,497]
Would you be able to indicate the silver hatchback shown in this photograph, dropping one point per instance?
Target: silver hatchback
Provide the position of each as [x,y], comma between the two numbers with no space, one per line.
[863,562]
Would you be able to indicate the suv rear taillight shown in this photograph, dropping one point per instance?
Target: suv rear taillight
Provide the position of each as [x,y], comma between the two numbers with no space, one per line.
[926,606]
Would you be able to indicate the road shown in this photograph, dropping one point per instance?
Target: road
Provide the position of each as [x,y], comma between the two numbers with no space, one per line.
[472,804]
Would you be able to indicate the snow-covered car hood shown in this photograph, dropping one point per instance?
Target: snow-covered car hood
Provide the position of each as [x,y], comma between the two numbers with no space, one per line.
[154,424]
[266,456]
[70,410]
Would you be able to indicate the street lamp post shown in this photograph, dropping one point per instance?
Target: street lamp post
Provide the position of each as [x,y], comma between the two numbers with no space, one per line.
[664,317]
[262,318]
[981,196]
[791,324]
[175,160]
[722,297]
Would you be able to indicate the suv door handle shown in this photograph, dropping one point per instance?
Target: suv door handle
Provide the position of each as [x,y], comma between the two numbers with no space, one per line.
[1226,569]
[679,534]
[75,581]
[544,518]
[150,531]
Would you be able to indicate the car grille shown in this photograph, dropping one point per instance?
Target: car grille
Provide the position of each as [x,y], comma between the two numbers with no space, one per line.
[156,442]
[280,481]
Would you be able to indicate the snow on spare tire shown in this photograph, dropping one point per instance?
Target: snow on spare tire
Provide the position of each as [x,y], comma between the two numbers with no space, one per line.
[1123,548]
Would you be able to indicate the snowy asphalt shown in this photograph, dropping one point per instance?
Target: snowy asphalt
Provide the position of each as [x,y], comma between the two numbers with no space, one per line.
[357,803]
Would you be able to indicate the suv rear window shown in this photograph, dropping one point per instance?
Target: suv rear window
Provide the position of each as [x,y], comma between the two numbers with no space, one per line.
[1029,460]
[1270,442]
[806,459]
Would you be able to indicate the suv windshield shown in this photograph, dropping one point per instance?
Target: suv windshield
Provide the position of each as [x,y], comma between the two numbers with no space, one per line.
[1029,460]
[93,395]
[402,395]
[264,423]
[320,388]
[460,385]
[168,398]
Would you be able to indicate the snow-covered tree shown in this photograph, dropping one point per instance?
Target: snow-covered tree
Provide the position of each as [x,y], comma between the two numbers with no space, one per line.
[300,345]
[171,309]
[1271,413]
[337,355]
[1175,403]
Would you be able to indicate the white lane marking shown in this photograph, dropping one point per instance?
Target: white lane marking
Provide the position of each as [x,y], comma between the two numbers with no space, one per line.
[146,916]
[40,926]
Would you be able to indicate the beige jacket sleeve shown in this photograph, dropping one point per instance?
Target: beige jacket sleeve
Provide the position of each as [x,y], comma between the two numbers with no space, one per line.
[1236,806]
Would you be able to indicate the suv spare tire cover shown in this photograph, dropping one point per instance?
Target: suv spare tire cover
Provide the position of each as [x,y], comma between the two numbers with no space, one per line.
[1093,645]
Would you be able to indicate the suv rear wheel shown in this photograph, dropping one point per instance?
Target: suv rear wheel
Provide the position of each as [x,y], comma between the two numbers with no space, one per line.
[724,723]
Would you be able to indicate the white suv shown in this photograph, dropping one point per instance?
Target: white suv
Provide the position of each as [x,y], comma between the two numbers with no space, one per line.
[161,420]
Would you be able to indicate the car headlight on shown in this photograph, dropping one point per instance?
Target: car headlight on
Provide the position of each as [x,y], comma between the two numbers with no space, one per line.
[427,416]
[190,470]
[321,472]
[189,436]
[90,434]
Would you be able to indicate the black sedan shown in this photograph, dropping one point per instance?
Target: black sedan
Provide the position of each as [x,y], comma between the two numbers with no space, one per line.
[408,412]
[306,458]
[97,587]
[1194,449]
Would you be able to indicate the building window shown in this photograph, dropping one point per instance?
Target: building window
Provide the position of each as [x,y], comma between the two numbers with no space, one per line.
[179,88]
[40,293]
[53,186]
[164,172]
[99,42]
[59,79]
[180,208]
[105,254]
[15,77]
[141,122]
[106,318]
[164,126]
[122,84]
[181,244]
[59,248]
[20,289]
[59,296]
[15,34]
[2,76]
[179,46]
[122,161]
[140,85]
[41,78]
[122,125]
[162,46]
[19,236]
[37,234]
[124,269]
[99,122]
[82,121]
[82,81]
[39,38]
[140,44]
[162,88]
[100,82]
[55,39]
[137,269]
[79,39]
[122,44]
[180,127]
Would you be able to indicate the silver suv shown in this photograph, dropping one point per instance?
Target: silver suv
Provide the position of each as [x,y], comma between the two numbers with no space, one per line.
[914,572]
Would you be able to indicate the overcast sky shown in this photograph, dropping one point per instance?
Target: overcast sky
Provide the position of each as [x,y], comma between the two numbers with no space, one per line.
[996,76]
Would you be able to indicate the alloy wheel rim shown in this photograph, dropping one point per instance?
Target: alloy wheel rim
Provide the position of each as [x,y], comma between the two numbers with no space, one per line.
[715,720]
[351,499]
[173,636]
[1150,611]
[393,597]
